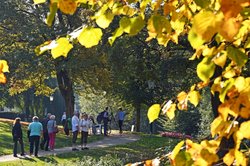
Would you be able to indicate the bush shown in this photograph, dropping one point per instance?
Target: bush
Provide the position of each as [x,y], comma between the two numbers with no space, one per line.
[106,160]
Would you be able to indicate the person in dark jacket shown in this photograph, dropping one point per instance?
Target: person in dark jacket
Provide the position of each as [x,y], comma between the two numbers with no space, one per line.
[45,142]
[17,136]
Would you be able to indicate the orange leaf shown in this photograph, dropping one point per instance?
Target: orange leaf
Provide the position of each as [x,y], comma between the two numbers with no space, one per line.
[3,79]
[67,6]
[182,98]
[148,163]
[229,28]
[230,8]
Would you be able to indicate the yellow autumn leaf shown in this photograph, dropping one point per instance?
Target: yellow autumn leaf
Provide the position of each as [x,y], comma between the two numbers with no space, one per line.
[216,125]
[194,97]
[206,24]
[211,145]
[169,109]
[182,99]
[240,159]
[244,128]
[227,85]
[90,37]
[205,69]
[67,6]
[220,60]
[39,1]
[62,48]
[104,20]
[224,109]
[228,159]
[176,150]
[4,66]
[195,40]
[153,112]
[206,158]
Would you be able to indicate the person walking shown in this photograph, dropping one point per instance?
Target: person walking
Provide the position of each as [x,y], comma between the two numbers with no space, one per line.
[75,130]
[105,120]
[63,119]
[85,125]
[52,130]
[45,141]
[17,135]
[35,129]
[120,115]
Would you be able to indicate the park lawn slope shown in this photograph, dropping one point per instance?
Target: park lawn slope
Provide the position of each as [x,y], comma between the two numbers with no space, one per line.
[7,143]
[147,147]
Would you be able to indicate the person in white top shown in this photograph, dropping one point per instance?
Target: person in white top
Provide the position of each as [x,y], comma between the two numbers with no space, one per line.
[85,125]
[75,129]
[63,119]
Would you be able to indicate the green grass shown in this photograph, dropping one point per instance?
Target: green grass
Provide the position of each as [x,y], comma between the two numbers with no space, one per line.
[6,143]
[147,147]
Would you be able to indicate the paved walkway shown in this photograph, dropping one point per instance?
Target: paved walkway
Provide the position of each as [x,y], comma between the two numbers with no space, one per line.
[106,142]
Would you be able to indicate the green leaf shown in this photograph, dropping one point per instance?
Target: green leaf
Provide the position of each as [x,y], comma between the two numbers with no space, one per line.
[153,112]
[125,24]
[205,69]
[159,24]
[132,25]
[195,40]
[90,37]
[184,159]
[247,44]
[176,150]
[202,3]
[137,23]
[227,85]
[237,56]
[52,12]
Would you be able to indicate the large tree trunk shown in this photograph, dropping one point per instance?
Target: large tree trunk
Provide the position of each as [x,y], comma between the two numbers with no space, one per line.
[138,116]
[66,89]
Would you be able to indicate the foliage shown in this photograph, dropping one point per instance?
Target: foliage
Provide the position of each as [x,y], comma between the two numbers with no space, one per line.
[219,32]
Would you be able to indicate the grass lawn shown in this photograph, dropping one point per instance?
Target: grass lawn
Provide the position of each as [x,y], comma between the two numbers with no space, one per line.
[6,143]
[147,147]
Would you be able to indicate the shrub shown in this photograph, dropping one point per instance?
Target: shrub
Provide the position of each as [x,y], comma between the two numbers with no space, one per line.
[106,160]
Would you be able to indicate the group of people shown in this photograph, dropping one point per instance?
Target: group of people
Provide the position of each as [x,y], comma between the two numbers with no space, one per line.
[47,128]
[35,130]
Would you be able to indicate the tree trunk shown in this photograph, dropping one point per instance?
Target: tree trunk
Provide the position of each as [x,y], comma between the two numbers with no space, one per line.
[27,104]
[138,116]
[66,89]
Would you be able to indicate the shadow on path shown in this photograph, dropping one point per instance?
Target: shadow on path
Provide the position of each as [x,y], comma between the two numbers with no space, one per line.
[112,140]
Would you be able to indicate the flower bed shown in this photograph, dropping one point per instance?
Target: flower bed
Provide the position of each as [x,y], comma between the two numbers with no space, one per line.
[175,135]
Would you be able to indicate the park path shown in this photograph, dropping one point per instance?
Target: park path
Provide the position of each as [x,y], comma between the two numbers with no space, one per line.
[112,140]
